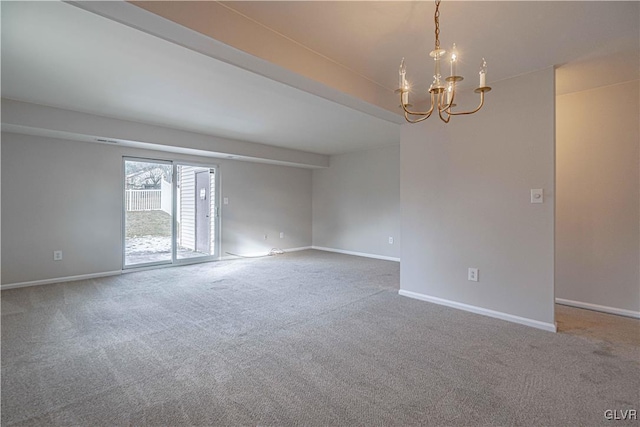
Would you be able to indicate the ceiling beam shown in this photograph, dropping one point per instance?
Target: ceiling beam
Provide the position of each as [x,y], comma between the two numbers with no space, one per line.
[40,120]
[303,69]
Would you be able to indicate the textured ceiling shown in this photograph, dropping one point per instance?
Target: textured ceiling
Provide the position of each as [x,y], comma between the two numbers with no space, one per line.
[515,37]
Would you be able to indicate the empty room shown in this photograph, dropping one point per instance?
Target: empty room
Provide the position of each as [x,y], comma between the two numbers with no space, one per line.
[320,213]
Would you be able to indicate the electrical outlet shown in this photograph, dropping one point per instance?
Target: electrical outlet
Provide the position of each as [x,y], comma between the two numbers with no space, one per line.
[225,200]
[473,275]
[282,234]
[57,255]
[390,240]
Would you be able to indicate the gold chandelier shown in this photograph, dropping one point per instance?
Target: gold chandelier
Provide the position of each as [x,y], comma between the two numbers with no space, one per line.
[442,91]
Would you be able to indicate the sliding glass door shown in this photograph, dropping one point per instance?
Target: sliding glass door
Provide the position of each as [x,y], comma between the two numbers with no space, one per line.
[170,213]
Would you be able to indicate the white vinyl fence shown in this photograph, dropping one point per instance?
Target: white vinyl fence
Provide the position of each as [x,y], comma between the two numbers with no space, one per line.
[143,200]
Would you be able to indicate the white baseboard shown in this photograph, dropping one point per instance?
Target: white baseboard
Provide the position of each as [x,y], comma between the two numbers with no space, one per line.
[60,280]
[602,308]
[362,254]
[302,248]
[479,310]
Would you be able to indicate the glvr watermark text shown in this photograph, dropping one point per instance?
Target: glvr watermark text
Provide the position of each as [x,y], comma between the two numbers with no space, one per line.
[621,414]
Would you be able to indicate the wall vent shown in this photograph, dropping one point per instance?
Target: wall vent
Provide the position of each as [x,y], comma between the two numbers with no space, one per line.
[110,141]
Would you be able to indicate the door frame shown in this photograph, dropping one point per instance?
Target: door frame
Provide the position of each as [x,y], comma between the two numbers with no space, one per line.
[217,244]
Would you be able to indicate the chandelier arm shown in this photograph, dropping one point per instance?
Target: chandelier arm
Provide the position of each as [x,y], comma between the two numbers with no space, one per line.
[470,112]
[406,117]
[417,113]
[447,107]
[446,120]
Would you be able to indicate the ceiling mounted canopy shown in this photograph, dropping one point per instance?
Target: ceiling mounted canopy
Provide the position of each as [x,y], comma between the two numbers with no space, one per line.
[442,91]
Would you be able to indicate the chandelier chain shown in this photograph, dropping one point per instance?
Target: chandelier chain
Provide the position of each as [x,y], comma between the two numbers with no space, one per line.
[437,21]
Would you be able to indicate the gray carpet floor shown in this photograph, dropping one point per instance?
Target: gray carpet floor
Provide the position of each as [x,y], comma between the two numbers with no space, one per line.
[306,338]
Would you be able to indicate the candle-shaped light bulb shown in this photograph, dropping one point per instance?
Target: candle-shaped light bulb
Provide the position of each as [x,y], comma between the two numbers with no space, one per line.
[405,93]
[402,72]
[454,59]
[483,73]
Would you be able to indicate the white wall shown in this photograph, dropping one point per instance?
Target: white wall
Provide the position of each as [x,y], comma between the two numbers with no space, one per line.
[465,195]
[356,202]
[598,197]
[265,199]
[67,195]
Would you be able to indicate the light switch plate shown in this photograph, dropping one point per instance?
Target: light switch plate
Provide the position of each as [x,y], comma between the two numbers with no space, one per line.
[537,195]
[225,200]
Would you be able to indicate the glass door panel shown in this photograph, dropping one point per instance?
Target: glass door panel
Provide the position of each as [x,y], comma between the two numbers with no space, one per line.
[148,212]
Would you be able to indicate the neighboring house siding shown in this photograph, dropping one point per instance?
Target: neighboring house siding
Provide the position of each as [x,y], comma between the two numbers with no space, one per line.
[187,208]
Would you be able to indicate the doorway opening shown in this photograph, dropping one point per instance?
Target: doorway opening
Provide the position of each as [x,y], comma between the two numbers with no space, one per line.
[196,225]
